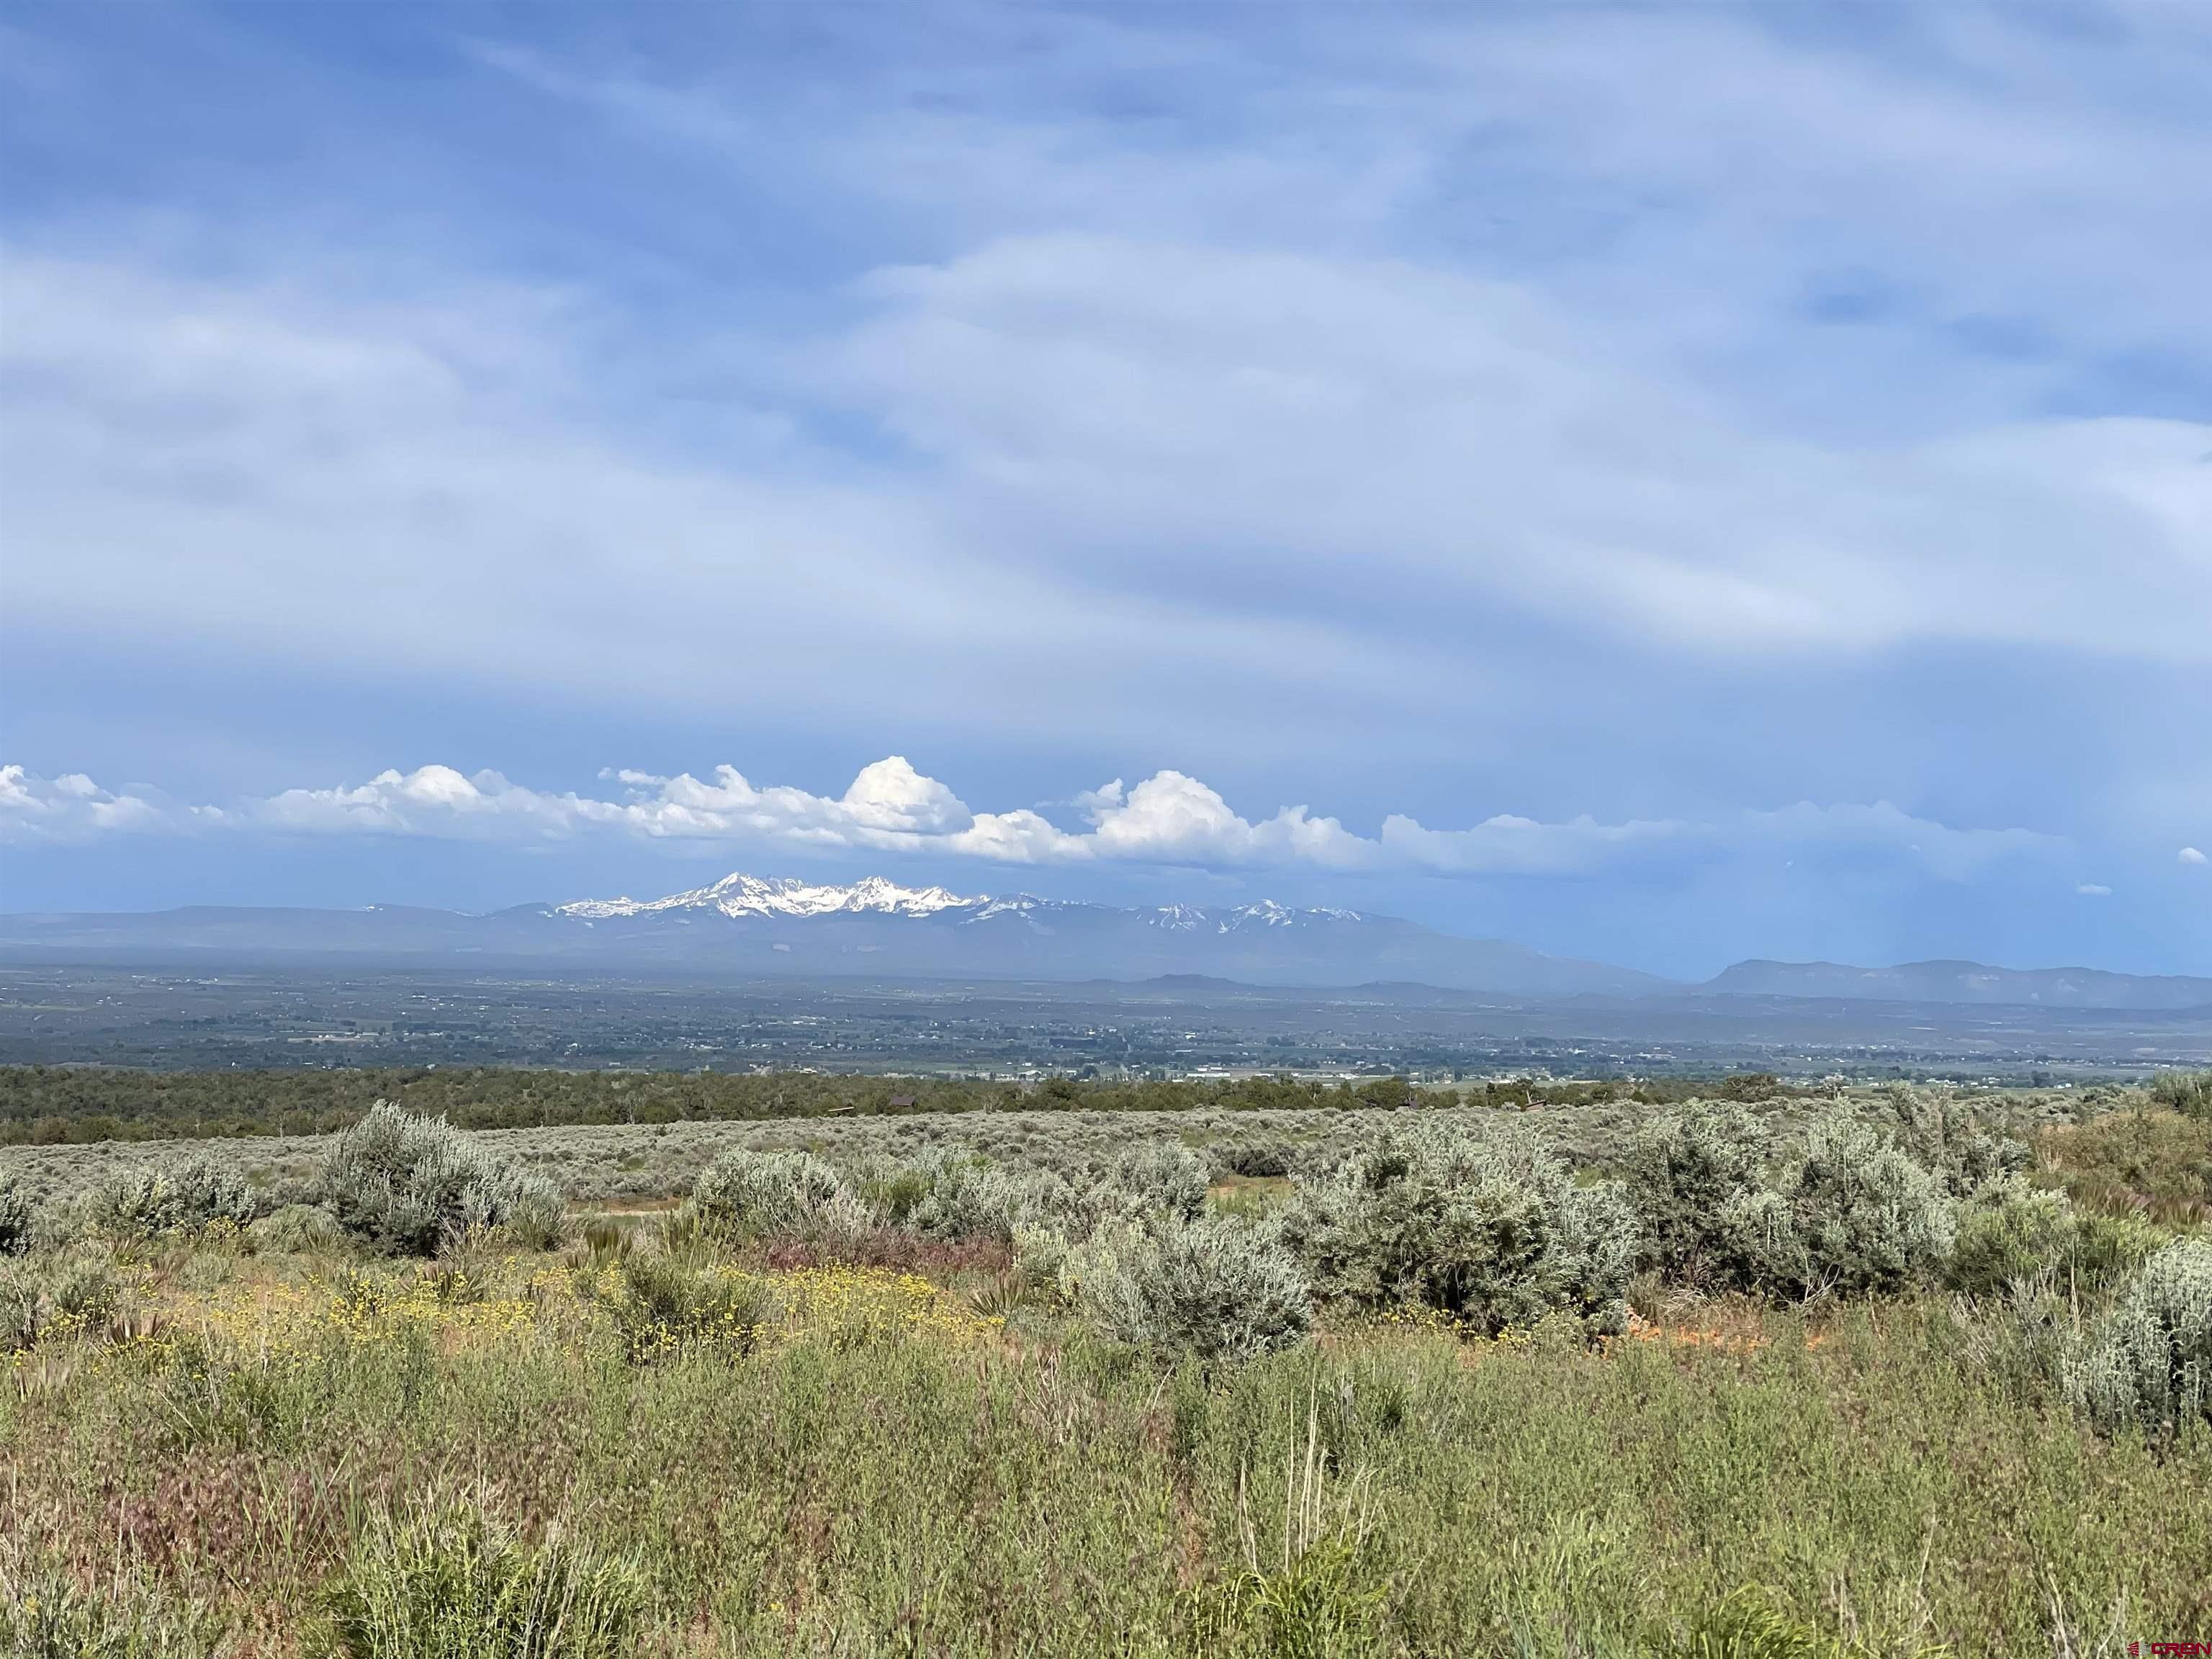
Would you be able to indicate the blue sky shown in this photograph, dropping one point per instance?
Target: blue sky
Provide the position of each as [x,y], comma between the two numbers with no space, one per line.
[1660,484]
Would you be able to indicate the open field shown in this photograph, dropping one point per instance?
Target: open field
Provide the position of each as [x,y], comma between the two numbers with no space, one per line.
[1020,1383]
[598,1164]
[919,1481]
[214,1015]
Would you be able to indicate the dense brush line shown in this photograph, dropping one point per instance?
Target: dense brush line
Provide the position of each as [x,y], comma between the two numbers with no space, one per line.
[43,1105]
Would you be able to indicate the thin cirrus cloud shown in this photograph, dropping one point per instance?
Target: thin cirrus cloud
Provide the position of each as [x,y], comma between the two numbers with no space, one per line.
[1167,819]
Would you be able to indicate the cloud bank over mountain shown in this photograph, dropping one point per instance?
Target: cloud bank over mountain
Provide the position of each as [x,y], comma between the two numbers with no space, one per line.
[1167,818]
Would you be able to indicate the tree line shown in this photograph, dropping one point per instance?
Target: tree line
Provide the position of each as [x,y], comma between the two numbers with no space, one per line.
[53,1105]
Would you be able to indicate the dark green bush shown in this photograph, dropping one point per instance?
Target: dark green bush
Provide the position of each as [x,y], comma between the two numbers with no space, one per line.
[14,1218]
[1254,1158]
[1685,1173]
[2010,1231]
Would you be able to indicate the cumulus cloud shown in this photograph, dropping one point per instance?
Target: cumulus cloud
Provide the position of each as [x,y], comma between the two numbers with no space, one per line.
[891,806]
[2093,889]
[70,807]
[2191,855]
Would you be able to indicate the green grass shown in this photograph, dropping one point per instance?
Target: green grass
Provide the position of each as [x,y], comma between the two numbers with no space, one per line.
[2145,1161]
[848,1489]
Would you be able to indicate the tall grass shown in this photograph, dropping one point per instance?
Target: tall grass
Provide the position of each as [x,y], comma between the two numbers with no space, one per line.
[910,1486]
[449,1584]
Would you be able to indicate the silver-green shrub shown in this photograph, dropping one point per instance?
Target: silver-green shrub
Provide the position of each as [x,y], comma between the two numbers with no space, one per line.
[1213,1288]
[1493,1232]
[1939,1132]
[952,1192]
[14,1218]
[1853,1213]
[177,1195]
[407,1185]
[2152,1364]
[746,1194]
[75,1293]
[1155,1178]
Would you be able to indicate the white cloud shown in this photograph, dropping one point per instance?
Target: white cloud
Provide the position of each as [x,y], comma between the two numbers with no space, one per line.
[1239,477]
[889,805]
[2093,889]
[70,807]
[1168,818]
[2191,855]
[1370,431]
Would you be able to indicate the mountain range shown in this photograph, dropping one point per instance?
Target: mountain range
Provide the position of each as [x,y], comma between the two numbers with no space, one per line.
[751,927]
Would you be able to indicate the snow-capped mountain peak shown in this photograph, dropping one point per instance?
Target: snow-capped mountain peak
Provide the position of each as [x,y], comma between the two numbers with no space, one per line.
[739,895]
[1180,916]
